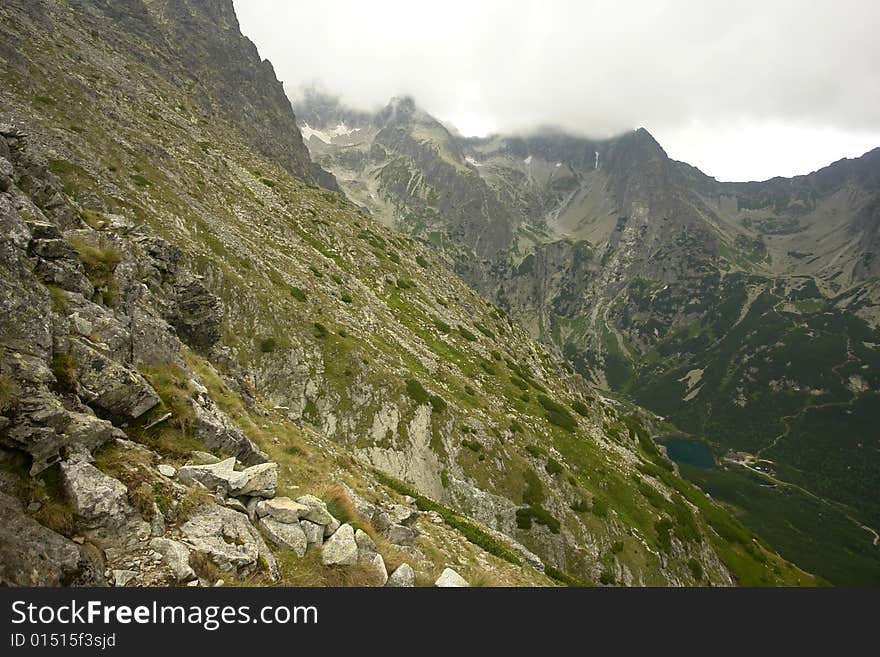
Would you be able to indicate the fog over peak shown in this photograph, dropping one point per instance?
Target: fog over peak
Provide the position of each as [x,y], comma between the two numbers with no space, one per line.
[744,90]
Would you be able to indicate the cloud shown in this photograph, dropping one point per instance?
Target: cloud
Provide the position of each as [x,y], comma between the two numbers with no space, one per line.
[753,79]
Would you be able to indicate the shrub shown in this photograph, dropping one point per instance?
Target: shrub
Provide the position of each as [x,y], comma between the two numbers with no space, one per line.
[139,180]
[696,569]
[579,506]
[536,450]
[422,262]
[267,182]
[467,335]
[526,515]
[442,326]
[405,284]
[519,383]
[63,366]
[664,533]
[482,329]
[557,413]
[553,467]
[472,445]
[516,427]
[320,330]
[580,408]
[607,577]
[617,547]
[438,404]
[393,257]
[297,294]
[268,345]
[346,297]
[599,507]
[470,391]
[533,495]
[487,368]
[416,391]
[8,392]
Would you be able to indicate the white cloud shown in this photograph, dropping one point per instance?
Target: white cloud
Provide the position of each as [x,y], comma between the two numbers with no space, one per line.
[715,82]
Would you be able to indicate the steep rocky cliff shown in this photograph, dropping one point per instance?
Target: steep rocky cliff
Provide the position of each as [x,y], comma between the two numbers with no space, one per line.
[212,366]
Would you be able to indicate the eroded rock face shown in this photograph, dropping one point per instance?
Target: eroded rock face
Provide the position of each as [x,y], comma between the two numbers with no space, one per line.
[113,390]
[213,427]
[196,314]
[31,554]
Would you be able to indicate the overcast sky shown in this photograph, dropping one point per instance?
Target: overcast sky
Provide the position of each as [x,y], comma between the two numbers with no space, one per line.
[743,90]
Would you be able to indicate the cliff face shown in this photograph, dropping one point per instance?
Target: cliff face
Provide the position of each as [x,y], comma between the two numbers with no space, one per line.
[198,47]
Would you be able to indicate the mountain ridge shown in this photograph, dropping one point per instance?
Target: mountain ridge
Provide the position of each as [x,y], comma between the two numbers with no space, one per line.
[680,292]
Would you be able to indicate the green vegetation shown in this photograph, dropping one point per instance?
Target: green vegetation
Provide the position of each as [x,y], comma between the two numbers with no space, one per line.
[268,345]
[297,294]
[99,261]
[421,261]
[470,531]
[63,366]
[557,413]
[466,334]
[553,467]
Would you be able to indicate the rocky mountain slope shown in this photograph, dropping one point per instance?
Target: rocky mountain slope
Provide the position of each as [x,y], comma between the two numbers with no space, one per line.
[745,314]
[210,365]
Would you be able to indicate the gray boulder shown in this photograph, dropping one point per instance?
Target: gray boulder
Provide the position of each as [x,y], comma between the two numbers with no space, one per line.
[31,554]
[282,509]
[403,577]
[257,481]
[340,549]
[176,555]
[401,534]
[97,499]
[450,579]
[284,534]
[229,540]
[117,392]
[314,533]
[317,510]
[211,476]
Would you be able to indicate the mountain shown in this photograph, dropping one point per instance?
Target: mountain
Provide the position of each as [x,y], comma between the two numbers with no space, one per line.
[195,329]
[745,314]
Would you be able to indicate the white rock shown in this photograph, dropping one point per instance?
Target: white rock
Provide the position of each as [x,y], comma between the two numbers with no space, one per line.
[450,579]
[167,470]
[318,512]
[123,577]
[211,476]
[314,533]
[377,564]
[331,527]
[341,548]
[284,534]
[282,509]
[403,577]
[176,555]
[236,505]
[258,481]
[97,498]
